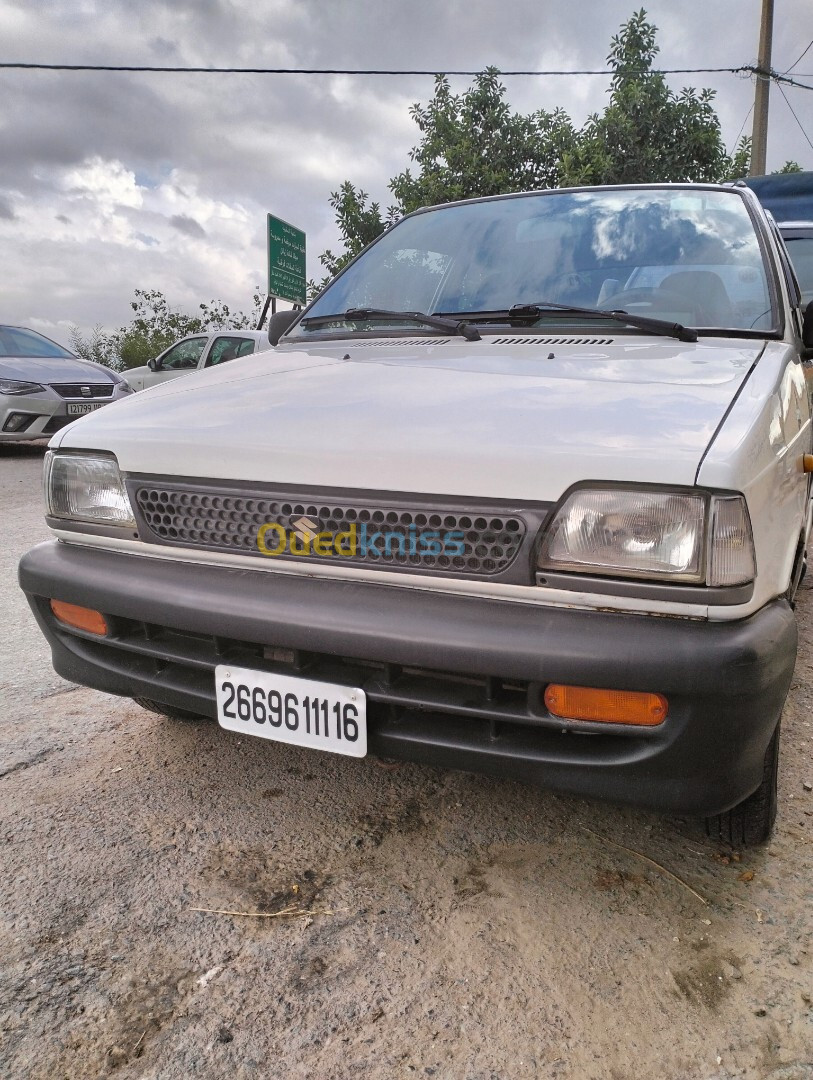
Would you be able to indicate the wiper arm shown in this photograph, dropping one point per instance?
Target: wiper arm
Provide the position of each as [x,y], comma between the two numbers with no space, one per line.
[451,326]
[642,322]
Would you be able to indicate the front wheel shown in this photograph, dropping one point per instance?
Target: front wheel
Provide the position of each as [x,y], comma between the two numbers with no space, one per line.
[751,822]
[169,711]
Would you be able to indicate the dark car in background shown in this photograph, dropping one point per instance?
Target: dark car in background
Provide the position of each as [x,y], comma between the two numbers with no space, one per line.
[798,237]
[789,198]
[44,386]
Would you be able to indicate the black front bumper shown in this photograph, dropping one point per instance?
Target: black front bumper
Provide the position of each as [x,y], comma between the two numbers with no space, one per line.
[452,680]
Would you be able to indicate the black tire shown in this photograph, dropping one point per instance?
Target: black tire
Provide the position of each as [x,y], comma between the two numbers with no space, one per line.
[751,822]
[169,711]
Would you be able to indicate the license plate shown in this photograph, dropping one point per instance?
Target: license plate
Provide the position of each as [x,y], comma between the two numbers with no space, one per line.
[80,408]
[304,712]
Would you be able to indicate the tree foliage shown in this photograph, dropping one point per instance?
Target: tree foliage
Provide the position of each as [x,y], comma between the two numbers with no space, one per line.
[648,133]
[789,167]
[155,326]
[95,346]
[472,144]
[359,222]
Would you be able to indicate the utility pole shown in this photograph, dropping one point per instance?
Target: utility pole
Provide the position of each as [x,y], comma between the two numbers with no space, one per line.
[759,140]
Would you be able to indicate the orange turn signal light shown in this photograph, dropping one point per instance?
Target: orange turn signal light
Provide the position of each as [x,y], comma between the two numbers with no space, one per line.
[81,618]
[606,706]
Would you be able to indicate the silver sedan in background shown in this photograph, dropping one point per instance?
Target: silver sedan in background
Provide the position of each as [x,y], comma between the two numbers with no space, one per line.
[43,386]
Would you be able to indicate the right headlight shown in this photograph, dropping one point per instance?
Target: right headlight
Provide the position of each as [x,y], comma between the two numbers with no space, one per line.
[86,487]
[654,535]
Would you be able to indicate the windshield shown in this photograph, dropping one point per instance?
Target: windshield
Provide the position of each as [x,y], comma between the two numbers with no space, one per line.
[14,341]
[688,255]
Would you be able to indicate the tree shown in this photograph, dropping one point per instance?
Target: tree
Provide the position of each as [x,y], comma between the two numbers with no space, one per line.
[155,327]
[472,144]
[648,133]
[359,223]
[789,167]
[99,346]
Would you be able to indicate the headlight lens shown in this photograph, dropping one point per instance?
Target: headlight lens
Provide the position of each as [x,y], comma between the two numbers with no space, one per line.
[19,386]
[660,536]
[85,487]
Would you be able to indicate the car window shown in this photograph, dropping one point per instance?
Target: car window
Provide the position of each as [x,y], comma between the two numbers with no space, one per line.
[14,341]
[800,250]
[228,348]
[184,355]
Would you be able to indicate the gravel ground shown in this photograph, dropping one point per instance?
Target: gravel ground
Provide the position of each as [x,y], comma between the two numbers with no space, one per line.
[462,927]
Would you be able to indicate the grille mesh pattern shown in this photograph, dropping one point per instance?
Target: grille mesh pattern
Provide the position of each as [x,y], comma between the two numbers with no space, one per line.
[473,544]
[97,390]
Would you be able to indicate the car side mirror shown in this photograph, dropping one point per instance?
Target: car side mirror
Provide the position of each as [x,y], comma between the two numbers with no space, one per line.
[153,364]
[807,331]
[279,322]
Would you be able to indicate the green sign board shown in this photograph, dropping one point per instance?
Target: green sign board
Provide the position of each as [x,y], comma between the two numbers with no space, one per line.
[286,261]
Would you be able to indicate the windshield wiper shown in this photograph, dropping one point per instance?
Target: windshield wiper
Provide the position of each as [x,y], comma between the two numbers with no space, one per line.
[642,322]
[532,312]
[451,326]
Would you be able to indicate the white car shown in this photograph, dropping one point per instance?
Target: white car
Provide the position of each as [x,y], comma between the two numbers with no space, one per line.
[526,491]
[197,352]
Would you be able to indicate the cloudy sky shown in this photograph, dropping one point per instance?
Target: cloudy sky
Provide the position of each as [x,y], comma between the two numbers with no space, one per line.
[111,182]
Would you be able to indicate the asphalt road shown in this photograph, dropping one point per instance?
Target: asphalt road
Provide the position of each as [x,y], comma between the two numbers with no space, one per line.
[460,927]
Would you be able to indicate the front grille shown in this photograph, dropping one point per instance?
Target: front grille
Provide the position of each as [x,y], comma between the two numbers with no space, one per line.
[78,390]
[375,533]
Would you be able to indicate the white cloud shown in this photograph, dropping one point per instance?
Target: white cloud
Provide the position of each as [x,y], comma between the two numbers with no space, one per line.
[95,167]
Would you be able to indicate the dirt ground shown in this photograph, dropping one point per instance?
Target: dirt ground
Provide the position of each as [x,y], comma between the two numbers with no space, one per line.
[459,927]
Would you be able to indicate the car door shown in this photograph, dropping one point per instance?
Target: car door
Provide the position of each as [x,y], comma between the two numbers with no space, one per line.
[227,347]
[179,359]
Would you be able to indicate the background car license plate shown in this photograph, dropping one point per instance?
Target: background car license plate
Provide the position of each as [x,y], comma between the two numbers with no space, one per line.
[80,408]
[323,716]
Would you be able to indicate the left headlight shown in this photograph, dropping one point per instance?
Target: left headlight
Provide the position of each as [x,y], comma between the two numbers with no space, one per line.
[20,386]
[656,535]
[86,487]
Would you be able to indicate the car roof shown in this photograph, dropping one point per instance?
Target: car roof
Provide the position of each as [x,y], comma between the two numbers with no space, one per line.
[258,335]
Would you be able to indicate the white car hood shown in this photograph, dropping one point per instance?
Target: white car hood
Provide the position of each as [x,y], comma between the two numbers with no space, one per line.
[520,420]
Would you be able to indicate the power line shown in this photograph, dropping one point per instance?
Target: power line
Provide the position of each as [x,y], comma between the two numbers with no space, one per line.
[795,62]
[14,65]
[795,117]
[745,121]
[742,69]
[779,79]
